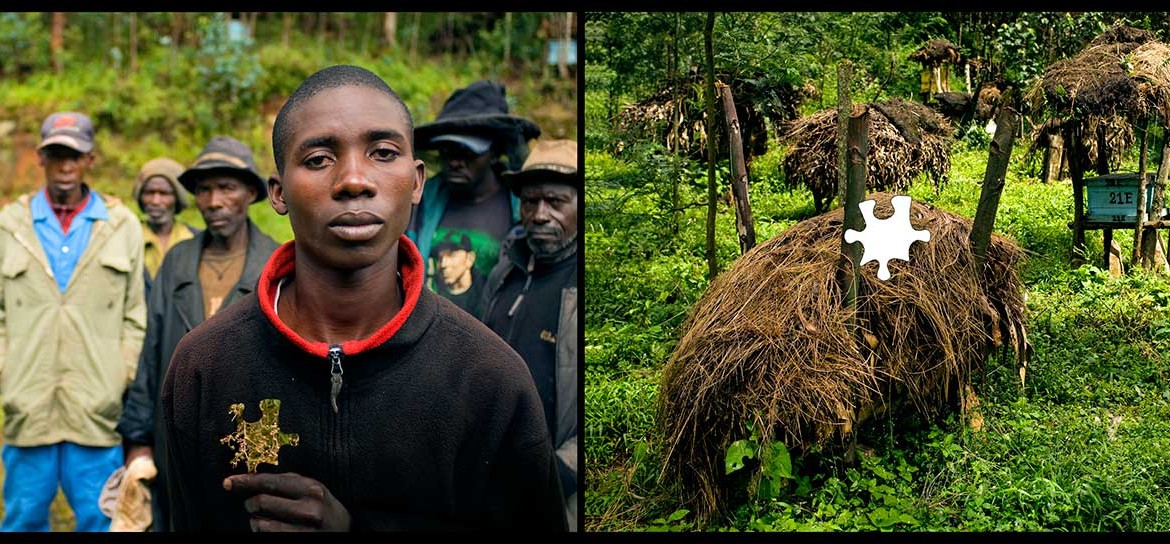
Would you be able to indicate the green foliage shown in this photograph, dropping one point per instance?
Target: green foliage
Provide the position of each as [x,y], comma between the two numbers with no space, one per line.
[618,416]
[1076,447]
[228,72]
[22,43]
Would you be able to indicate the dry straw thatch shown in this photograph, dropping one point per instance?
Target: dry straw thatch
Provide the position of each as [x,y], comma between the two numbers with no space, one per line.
[905,140]
[936,52]
[676,116]
[1121,78]
[770,345]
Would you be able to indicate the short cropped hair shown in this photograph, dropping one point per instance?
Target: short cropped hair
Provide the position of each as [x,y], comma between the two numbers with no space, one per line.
[340,75]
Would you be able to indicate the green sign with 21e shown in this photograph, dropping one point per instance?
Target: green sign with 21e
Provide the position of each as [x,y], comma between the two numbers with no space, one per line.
[1113,198]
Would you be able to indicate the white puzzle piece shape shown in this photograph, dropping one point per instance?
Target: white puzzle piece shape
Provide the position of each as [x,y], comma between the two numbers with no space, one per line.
[885,239]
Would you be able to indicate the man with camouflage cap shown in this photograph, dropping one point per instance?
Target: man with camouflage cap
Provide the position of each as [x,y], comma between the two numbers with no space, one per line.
[72,318]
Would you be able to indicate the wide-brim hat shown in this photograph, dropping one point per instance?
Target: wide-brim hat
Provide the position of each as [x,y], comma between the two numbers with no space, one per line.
[226,155]
[480,109]
[551,161]
[168,169]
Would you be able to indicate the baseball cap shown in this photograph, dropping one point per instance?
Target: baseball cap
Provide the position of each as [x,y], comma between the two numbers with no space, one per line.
[68,128]
[474,143]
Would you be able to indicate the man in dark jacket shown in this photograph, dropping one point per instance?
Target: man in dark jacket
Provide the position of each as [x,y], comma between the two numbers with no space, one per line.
[476,139]
[198,277]
[343,395]
[531,297]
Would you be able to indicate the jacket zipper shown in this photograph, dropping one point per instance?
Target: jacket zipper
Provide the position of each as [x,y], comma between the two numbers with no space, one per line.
[335,373]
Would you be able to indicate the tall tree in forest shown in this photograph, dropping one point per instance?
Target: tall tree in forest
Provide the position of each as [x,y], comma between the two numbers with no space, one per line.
[133,42]
[390,29]
[712,194]
[57,41]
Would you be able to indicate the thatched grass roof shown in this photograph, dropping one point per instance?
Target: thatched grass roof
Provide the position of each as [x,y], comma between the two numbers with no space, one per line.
[770,343]
[937,51]
[1120,79]
[905,140]
[1130,79]
[758,102]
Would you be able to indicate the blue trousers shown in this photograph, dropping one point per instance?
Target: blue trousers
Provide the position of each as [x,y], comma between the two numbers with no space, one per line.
[33,474]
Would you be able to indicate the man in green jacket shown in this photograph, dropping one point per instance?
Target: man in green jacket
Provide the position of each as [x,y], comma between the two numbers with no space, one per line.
[72,320]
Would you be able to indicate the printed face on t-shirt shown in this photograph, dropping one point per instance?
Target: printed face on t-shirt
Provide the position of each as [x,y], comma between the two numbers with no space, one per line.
[455,265]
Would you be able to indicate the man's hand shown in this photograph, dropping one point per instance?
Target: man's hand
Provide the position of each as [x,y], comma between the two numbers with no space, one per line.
[138,451]
[288,502]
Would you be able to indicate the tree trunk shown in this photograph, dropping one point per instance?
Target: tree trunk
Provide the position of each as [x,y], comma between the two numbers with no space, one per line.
[1153,252]
[1138,229]
[322,27]
[57,41]
[390,29]
[508,39]
[844,110]
[1077,173]
[1053,158]
[712,194]
[286,30]
[414,36]
[133,43]
[1000,152]
[857,148]
[744,226]
[563,56]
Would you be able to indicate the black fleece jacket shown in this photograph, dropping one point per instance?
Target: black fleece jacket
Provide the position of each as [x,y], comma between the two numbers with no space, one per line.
[439,425]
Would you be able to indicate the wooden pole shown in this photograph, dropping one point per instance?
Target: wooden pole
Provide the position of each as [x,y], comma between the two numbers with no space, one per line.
[1153,249]
[999,153]
[1073,153]
[853,149]
[712,194]
[844,110]
[744,226]
[1138,231]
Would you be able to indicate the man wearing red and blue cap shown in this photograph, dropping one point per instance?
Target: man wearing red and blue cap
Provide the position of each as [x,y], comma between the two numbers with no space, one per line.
[72,320]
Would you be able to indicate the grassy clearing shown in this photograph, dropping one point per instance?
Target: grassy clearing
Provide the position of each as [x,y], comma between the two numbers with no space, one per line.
[1078,448]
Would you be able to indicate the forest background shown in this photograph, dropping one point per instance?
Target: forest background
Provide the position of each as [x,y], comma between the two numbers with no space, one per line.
[163,83]
[1078,446]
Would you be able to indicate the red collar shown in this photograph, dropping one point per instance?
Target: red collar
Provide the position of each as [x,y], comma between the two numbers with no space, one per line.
[282,263]
[66,212]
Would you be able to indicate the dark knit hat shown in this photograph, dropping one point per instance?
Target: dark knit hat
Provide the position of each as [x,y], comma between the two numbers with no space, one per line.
[481,110]
[226,155]
[553,161]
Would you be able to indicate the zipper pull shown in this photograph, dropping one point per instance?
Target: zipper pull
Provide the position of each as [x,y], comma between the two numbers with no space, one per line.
[335,373]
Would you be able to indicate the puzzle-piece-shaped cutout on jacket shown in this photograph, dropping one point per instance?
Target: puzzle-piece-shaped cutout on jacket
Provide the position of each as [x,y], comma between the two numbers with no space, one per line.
[258,441]
[885,239]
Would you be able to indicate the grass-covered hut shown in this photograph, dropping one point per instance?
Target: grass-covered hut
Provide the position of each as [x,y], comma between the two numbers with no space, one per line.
[906,139]
[771,346]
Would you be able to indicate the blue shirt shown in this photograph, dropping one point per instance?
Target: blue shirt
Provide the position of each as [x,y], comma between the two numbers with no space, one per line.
[64,249]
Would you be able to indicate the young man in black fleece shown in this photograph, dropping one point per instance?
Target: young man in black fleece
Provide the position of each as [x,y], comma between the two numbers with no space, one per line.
[394,409]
